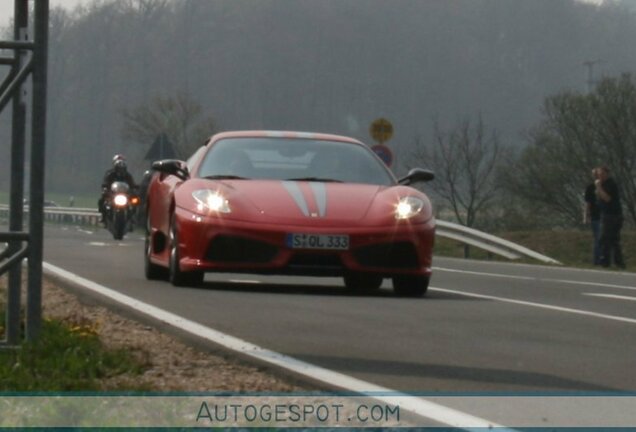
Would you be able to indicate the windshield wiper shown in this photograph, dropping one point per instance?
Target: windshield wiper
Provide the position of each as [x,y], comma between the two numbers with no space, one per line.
[225,177]
[316,179]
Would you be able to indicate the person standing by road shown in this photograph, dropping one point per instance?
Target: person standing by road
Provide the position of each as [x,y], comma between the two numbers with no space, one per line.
[592,215]
[608,195]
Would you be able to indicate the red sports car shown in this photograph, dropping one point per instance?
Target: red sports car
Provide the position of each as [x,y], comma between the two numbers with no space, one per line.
[289,203]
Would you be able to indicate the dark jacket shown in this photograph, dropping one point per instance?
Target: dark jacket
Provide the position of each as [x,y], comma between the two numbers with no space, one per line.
[113,175]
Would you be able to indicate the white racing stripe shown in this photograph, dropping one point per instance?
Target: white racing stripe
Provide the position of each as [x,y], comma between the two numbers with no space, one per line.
[297,194]
[416,405]
[538,305]
[320,194]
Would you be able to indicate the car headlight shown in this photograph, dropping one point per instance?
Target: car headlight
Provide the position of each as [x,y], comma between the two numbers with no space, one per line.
[211,200]
[408,207]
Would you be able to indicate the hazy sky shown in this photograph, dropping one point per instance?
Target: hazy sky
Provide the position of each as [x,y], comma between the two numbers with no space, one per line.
[6,7]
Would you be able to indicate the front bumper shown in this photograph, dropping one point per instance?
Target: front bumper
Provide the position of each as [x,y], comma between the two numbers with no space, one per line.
[217,244]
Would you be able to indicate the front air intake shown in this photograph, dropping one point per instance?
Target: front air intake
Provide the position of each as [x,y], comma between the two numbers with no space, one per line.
[233,249]
[401,255]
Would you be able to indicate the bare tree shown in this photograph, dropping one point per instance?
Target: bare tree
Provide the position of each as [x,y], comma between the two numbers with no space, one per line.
[147,9]
[179,118]
[577,133]
[465,160]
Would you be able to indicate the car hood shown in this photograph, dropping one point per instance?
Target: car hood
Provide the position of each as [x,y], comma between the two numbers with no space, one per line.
[307,203]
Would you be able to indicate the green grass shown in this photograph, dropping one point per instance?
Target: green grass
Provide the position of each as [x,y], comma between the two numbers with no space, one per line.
[66,357]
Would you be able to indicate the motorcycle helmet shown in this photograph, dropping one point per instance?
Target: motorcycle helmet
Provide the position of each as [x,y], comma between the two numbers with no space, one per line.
[119,157]
[120,164]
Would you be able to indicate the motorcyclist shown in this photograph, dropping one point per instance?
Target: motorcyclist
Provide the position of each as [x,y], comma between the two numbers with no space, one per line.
[119,172]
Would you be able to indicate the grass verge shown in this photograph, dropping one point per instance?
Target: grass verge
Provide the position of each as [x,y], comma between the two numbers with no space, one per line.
[570,247]
[67,356]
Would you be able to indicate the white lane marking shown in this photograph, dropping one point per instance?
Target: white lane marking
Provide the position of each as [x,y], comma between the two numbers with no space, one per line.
[104,244]
[612,296]
[85,231]
[596,284]
[414,404]
[449,270]
[538,305]
[247,281]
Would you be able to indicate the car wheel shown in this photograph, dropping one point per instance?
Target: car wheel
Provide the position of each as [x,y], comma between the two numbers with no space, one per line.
[362,282]
[410,286]
[176,276]
[153,271]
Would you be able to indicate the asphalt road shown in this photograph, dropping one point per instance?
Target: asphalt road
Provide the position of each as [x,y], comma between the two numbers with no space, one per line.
[483,326]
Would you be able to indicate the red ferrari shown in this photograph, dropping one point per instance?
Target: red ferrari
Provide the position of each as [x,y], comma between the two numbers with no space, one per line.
[289,203]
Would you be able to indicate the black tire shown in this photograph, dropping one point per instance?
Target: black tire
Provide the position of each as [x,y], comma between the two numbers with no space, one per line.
[152,271]
[130,222]
[119,228]
[176,276]
[362,282]
[410,286]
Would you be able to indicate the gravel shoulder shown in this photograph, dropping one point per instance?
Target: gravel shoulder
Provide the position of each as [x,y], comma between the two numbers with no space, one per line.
[170,364]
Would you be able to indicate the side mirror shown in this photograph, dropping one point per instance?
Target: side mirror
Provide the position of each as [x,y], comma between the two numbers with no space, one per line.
[417,175]
[173,167]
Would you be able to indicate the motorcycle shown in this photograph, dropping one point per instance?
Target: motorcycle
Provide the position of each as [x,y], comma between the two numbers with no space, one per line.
[120,208]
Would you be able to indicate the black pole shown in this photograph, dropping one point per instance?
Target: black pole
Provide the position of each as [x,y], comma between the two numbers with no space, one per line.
[16,216]
[38,147]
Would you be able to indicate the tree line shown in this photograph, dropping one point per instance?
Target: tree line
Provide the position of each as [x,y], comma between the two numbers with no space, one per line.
[487,185]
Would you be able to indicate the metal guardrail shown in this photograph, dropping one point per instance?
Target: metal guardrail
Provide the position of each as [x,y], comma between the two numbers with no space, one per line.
[488,242]
[453,231]
[9,257]
[74,215]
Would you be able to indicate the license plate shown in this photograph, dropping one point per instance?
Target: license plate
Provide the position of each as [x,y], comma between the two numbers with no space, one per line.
[318,241]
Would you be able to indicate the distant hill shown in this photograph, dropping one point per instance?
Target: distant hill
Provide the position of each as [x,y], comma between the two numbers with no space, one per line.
[318,65]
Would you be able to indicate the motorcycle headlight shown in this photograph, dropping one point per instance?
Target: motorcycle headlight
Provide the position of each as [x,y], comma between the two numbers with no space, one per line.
[211,200]
[120,200]
[408,207]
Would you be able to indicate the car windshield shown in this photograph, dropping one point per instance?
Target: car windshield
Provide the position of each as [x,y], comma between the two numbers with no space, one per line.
[293,159]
